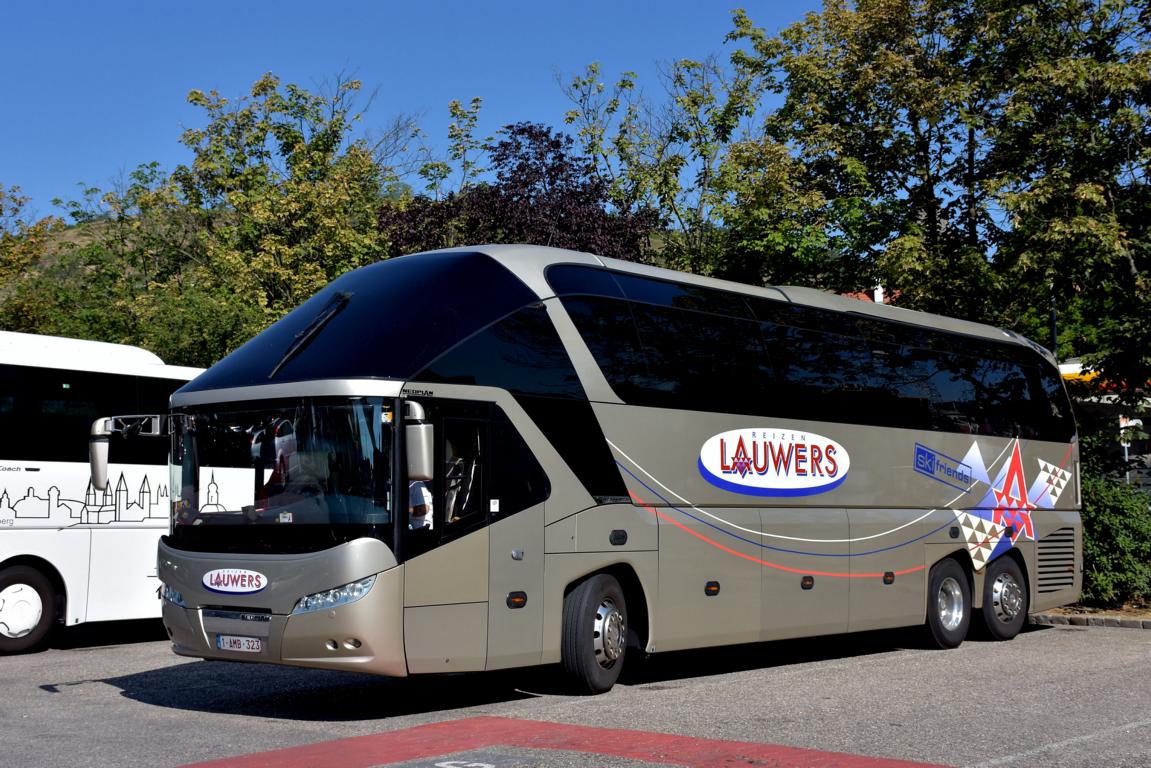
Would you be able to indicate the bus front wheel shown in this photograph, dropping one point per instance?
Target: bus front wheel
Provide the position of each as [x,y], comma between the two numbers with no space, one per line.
[27,608]
[594,633]
[1005,599]
[948,604]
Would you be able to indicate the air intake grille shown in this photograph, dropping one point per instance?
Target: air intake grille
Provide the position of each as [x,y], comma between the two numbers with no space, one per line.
[1057,561]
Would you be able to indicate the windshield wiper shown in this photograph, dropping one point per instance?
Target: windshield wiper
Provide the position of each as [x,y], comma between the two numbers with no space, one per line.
[305,337]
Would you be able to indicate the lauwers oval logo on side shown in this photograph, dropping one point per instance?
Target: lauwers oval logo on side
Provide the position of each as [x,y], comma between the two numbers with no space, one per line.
[235,581]
[767,461]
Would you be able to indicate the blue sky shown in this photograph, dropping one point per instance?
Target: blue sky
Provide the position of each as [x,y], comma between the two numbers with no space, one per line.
[91,90]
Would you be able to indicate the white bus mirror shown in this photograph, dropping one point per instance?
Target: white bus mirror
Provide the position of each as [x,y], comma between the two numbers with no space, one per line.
[419,448]
[98,452]
[102,430]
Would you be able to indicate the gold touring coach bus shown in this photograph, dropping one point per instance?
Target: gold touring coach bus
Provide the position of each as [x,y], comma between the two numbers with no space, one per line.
[509,455]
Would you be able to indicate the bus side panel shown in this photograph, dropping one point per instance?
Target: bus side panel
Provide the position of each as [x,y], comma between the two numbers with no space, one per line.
[456,572]
[446,638]
[1055,574]
[884,543]
[65,550]
[123,575]
[702,547]
[563,570]
[446,606]
[805,572]
[516,564]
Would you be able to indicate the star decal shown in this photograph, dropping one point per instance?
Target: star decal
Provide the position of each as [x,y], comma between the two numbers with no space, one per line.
[1012,507]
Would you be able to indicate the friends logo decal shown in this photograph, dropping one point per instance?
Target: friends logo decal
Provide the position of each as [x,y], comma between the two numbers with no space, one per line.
[773,462]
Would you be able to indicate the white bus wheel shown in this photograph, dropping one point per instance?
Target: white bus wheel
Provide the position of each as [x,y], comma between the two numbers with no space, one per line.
[1005,599]
[595,633]
[948,604]
[27,608]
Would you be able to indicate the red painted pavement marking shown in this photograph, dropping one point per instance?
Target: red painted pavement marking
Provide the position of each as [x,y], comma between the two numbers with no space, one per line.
[474,733]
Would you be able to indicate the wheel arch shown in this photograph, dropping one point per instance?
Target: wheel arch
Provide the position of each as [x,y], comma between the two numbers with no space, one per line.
[1016,554]
[963,558]
[50,572]
[638,606]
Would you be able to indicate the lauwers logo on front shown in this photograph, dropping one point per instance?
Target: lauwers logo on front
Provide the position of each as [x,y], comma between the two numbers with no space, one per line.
[766,461]
[235,581]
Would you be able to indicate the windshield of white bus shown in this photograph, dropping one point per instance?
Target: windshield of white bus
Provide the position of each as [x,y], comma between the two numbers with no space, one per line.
[283,476]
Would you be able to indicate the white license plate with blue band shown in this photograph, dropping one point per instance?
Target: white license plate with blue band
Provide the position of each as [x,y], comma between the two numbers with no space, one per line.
[239,643]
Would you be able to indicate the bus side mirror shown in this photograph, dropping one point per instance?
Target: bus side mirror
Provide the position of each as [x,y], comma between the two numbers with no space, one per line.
[418,437]
[98,452]
[419,449]
[102,429]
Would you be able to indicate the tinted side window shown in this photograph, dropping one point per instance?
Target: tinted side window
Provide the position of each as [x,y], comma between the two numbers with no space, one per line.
[521,353]
[46,414]
[517,481]
[694,357]
[571,427]
[387,320]
[826,374]
[484,472]
[607,327]
[806,362]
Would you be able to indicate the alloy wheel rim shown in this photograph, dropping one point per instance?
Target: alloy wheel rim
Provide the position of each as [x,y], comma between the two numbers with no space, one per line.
[1006,598]
[609,635]
[949,604]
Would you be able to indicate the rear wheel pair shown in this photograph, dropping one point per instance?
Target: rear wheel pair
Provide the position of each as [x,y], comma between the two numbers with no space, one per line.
[1005,602]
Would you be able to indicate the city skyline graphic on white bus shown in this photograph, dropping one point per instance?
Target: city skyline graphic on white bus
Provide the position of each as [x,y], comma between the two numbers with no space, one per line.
[37,507]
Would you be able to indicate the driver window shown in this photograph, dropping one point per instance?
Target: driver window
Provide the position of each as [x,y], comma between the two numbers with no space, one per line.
[463,445]
[455,501]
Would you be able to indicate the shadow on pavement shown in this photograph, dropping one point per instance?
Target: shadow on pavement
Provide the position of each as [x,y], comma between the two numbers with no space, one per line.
[304,694]
[292,693]
[104,633]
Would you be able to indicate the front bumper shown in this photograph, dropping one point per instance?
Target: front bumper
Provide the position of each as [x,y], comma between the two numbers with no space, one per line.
[364,636]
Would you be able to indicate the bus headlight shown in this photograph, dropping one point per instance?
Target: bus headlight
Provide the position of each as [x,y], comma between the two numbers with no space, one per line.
[173,596]
[331,598]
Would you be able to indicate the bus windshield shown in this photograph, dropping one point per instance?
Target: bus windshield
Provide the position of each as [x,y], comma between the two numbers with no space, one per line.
[287,476]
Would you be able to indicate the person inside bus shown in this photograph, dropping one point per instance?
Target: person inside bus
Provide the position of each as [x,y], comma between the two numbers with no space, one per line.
[419,505]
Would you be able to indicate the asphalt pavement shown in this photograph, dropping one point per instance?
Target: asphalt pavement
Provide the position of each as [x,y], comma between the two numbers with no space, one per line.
[114,695]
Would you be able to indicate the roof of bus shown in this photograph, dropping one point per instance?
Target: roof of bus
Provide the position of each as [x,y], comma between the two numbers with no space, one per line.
[81,355]
[528,262]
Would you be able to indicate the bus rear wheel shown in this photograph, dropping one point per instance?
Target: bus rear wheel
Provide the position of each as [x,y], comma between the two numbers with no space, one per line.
[27,608]
[1005,599]
[948,604]
[594,634]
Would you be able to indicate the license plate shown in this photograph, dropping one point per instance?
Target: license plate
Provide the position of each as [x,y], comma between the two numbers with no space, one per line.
[238,643]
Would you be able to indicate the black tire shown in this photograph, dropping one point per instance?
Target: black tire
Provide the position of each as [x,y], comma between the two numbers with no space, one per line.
[21,587]
[594,634]
[1005,599]
[948,604]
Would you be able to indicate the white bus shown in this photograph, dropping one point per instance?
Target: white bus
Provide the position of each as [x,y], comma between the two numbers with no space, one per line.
[503,456]
[70,553]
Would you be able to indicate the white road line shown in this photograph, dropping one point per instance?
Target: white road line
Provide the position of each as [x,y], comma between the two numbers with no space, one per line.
[1008,759]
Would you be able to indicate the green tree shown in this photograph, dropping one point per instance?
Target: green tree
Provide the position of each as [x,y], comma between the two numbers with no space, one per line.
[25,246]
[280,197]
[543,192]
[1072,150]
[883,119]
[669,157]
[286,200]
